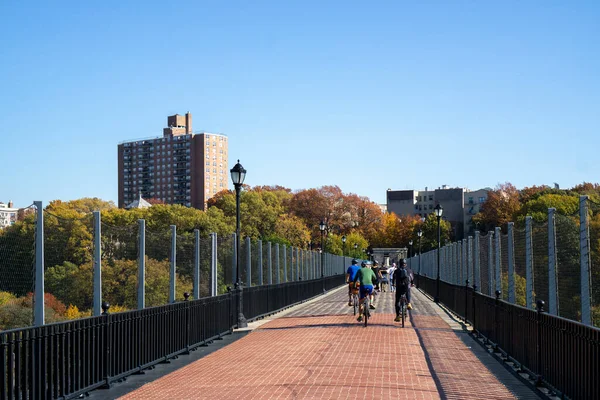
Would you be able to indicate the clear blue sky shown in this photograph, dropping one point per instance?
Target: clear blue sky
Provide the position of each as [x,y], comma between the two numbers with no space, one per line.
[364,96]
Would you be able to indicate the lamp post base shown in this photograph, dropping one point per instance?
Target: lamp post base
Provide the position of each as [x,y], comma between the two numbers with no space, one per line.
[241,320]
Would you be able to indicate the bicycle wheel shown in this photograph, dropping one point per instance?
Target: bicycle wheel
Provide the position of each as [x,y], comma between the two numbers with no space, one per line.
[366,311]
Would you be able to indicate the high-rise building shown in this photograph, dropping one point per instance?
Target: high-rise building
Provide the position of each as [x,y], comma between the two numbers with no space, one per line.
[181,167]
[458,204]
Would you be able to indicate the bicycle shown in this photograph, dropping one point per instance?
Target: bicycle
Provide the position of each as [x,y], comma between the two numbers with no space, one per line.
[402,305]
[366,310]
[355,302]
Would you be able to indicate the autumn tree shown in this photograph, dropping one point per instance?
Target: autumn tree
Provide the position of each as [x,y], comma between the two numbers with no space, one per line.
[500,207]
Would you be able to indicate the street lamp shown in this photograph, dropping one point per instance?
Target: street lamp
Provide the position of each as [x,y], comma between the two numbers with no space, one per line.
[410,243]
[238,174]
[438,213]
[419,234]
[344,246]
[322,227]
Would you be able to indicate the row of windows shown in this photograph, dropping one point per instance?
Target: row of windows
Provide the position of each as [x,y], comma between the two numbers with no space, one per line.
[418,198]
[424,207]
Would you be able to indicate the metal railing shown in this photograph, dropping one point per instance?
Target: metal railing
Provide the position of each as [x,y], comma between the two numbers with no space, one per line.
[65,360]
[564,354]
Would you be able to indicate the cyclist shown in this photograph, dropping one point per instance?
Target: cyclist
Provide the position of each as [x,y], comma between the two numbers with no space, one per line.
[350,275]
[377,271]
[366,277]
[403,281]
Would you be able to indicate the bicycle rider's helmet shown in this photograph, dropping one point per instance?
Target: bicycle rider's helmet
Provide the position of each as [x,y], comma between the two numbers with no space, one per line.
[375,263]
[401,262]
[354,261]
[365,263]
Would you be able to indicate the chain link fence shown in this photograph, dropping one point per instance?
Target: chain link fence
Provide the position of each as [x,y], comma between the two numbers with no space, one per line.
[594,228]
[568,266]
[486,264]
[17,272]
[520,255]
[539,234]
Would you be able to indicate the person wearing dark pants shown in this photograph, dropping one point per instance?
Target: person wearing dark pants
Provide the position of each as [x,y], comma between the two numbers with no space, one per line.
[402,279]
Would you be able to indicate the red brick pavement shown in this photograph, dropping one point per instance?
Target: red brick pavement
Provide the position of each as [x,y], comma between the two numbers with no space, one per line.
[334,357]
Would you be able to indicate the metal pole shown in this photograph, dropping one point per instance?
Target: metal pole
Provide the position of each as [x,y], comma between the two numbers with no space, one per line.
[38,308]
[97,264]
[249,261]
[490,262]
[528,263]
[270,263]
[141,284]
[322,262]
[213,264]
[260,263]
[585,262]
[437,289]
[196,289]
[173,264]
[277,264]
[285,274]
[241,320]
[512,296]
[552,284]
[477,260]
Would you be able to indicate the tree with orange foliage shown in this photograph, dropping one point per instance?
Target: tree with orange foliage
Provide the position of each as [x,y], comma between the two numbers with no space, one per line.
[500,207]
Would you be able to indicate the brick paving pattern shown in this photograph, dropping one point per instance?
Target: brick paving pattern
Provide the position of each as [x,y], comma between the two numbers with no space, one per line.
[319,351]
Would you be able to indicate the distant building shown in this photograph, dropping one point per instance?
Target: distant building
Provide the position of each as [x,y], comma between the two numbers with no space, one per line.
[181,167]
[8,214]
[457,210]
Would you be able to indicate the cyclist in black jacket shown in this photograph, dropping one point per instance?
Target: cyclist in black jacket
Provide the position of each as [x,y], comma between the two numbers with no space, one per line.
[403,280]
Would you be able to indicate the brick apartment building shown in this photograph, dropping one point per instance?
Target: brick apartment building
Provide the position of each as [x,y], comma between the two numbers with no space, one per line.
[181,167]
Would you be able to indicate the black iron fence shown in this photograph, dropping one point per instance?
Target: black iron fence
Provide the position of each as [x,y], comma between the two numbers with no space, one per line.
[563,353]
[65,360]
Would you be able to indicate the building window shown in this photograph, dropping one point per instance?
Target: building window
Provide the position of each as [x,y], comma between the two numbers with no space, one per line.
[481,200]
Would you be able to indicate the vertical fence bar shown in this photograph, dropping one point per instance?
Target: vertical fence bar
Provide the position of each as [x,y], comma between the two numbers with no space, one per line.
[285,274]
[552,284]
[260,263]
[38,307]
[97,264]
[498,249]
[270,263]
[173,264]
[277,264]
[141,283]
[196,288]
[213,264]
[477,261]
[249,261]
[585,261]
[528,263]
[490,263]
[512,295]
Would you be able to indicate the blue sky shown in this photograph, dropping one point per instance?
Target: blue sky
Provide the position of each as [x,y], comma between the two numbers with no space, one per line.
[364,96]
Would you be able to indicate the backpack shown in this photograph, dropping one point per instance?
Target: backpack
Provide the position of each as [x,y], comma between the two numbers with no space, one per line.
[401,276]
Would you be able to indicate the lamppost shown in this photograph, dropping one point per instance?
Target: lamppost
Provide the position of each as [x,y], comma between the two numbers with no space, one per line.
[355,249]
[410,242]
[322,227]
[438,213]
[238,174]
[344,246]
[419,234]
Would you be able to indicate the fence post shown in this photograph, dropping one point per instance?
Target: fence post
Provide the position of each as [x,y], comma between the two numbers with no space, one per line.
[477,261]
[270,263]
[38,308]
[234,259]
[249,261]
[498,248]
[585,262]
[552,287]
[260,260]
[528,262]
[540,309]
[173,264]
[213,264]
[278,263]
[490,262]
[466,262]
[141,283]
[285,263]
[196,289]
[512,297]
[97,264]
[107,365]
